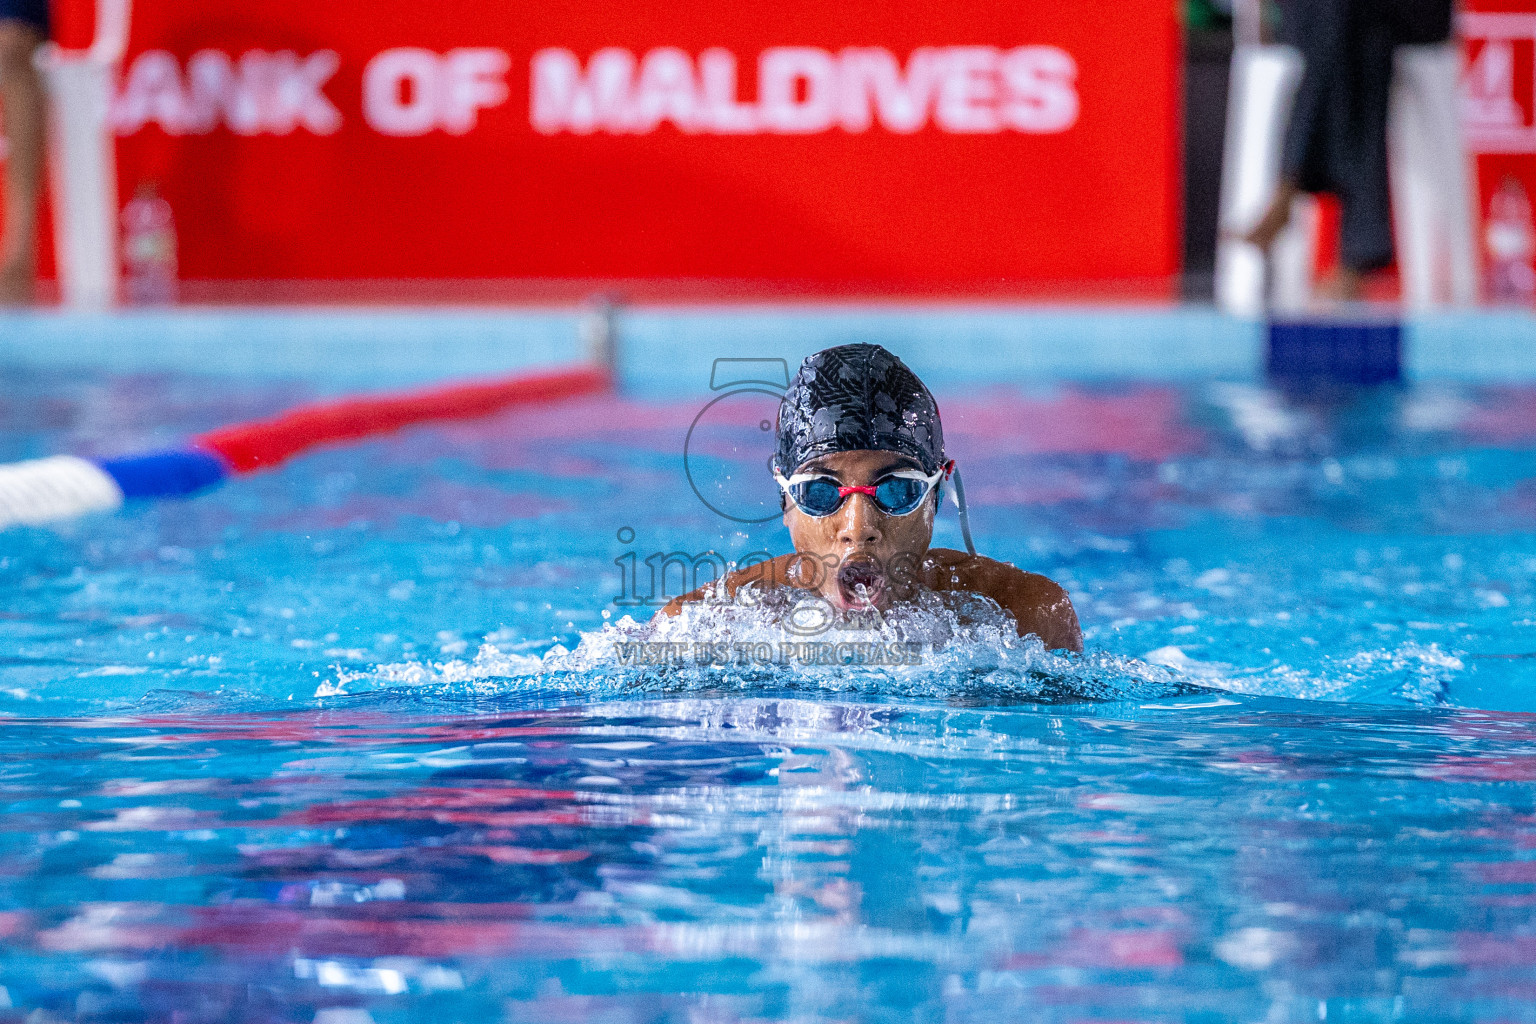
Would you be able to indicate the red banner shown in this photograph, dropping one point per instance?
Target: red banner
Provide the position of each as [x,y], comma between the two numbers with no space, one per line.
[857,146]
[1498,98]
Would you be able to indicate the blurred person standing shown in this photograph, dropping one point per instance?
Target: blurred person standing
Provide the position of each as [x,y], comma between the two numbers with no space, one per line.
[1336,140]
[23,28]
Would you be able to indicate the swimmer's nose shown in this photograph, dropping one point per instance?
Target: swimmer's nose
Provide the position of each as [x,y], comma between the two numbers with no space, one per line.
[860,526]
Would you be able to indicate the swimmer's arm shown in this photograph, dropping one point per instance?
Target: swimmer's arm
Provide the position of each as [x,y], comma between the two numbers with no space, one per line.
[1038,604]
[772,573]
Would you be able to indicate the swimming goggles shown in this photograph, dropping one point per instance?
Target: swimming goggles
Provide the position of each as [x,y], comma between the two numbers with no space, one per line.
[904,490]
[896,494]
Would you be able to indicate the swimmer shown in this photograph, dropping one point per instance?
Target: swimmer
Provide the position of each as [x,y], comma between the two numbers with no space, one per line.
[861,468]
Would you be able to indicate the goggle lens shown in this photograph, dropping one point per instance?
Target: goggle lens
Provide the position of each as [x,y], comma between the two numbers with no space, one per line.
[899,495]
[817,497]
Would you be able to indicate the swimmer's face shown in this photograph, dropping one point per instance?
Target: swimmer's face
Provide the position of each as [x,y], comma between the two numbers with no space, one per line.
[859,546]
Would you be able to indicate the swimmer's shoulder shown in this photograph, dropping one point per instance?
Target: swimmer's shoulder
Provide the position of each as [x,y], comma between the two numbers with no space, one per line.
[1038,603]
[775,572]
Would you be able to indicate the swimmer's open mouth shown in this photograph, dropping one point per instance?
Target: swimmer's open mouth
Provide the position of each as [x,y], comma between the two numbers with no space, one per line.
[860,583]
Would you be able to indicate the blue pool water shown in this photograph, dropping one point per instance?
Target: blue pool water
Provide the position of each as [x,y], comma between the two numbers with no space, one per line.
[352,741]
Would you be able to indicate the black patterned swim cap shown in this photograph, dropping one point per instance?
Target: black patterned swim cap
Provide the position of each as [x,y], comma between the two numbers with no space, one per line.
[857,397]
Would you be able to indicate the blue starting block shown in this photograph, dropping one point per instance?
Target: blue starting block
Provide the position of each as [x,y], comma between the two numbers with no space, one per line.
[1312,353]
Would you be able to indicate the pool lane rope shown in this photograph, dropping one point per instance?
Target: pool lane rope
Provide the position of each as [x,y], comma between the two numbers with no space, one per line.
[64,487]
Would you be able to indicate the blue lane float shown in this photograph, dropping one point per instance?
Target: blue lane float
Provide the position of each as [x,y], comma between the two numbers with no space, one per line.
[167,474]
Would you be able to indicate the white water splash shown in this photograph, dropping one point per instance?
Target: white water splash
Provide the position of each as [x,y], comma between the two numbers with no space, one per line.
[1412,672]
[944,646]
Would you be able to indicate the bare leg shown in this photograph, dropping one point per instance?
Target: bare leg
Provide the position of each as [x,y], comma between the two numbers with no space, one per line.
[1275,218]
[21,106]
[1344,285]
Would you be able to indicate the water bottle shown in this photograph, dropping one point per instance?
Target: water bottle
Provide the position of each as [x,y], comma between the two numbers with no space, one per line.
[1511,241]
[149,249]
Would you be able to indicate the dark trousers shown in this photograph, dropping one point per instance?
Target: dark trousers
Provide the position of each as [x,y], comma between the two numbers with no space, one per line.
[33,12]
[1336,141]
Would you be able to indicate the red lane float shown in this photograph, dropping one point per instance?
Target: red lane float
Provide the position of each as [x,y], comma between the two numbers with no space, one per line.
[247,447]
